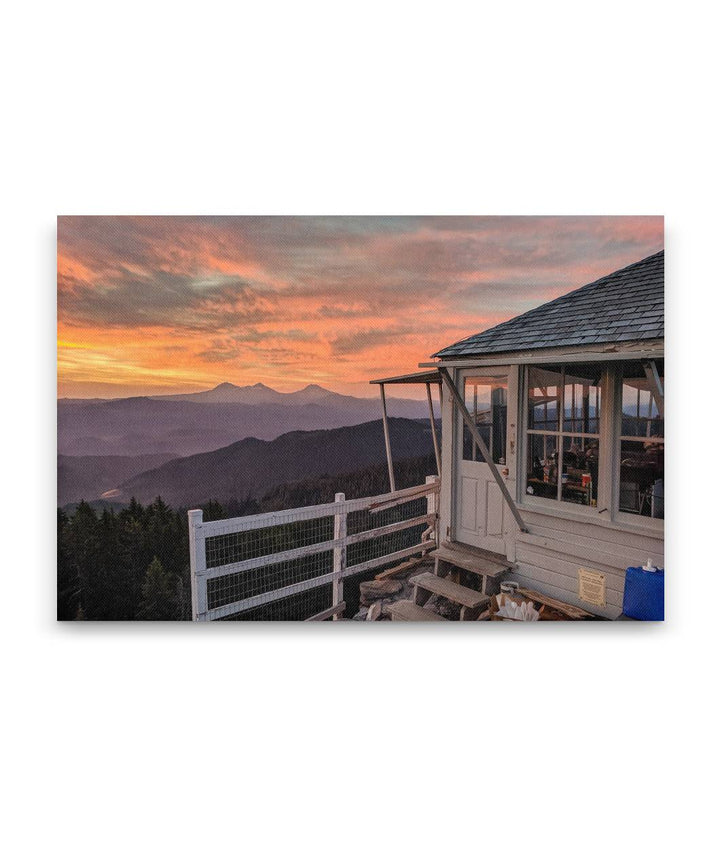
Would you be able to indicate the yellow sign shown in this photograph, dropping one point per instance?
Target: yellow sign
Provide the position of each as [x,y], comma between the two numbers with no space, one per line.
[591,586]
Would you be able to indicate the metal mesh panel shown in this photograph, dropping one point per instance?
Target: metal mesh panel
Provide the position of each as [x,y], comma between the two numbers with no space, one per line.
[240,546]
[374,548]
[362,521]
[384,545]
[234,587]
[297,607]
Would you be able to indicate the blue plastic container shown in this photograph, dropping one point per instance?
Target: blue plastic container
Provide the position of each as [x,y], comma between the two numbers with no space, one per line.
[644,595]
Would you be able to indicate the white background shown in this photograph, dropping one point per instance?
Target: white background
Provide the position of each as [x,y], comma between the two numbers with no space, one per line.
[354,739]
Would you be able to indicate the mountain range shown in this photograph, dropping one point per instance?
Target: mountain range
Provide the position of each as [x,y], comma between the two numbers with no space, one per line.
[203,421]
[252,467]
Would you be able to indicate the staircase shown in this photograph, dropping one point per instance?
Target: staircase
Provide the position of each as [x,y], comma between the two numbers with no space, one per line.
[454,562]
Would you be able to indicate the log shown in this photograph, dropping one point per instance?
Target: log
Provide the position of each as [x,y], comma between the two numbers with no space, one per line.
[566,608]
[398,569]
[338,609]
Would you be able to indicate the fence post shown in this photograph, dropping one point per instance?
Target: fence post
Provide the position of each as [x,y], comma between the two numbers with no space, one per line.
[198,590]
[432,506]
[339,553]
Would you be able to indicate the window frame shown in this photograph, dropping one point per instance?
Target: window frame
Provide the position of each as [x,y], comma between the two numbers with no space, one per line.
[559,435]
[609,436]
[505,386]
[627,517]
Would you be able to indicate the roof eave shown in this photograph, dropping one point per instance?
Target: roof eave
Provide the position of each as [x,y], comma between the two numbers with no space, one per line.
[635,349]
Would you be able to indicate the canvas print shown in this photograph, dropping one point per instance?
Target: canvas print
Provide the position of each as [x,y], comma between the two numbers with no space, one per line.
[366,419]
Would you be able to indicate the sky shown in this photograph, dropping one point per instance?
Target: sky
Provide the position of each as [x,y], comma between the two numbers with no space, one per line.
[155,305]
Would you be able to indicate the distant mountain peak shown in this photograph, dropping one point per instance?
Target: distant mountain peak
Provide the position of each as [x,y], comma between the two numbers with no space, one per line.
[226,386]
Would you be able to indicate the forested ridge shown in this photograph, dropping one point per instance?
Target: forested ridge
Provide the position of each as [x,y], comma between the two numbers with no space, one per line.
[133,564]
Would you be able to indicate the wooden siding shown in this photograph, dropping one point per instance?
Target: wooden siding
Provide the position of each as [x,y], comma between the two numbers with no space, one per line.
[549,556]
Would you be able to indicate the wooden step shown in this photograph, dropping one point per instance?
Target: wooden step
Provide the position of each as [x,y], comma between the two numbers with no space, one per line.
[444,587]
[493,555]
[406,610]
[471,560]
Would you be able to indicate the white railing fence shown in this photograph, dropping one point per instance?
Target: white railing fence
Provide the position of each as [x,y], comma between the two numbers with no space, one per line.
[292,564]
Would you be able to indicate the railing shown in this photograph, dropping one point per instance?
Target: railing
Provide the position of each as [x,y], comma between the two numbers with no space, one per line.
[293,563]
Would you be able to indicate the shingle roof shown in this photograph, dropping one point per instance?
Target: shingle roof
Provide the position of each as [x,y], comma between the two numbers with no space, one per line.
[627,305]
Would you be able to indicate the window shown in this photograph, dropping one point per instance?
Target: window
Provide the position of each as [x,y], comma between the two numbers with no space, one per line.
[641,487]
[486,401]
[563,433]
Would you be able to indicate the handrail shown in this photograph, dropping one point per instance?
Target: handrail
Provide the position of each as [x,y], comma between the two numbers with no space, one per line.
[310,512]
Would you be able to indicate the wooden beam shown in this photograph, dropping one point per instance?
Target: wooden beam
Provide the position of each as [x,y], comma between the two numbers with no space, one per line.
[402,496]
[386,431]
[648,351]
[330,612]
[415,377]
[369,534]
[398,569]
[566,608]
[397,556]
[472,428]
[433,428]
[656,387]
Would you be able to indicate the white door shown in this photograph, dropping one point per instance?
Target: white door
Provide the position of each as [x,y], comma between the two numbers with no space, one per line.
[480,507]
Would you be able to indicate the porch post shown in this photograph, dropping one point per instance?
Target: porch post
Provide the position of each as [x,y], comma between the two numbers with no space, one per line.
[386,430]
[432,428]
[472,428]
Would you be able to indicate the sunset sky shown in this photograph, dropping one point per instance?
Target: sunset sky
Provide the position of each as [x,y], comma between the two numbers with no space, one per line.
[152,305]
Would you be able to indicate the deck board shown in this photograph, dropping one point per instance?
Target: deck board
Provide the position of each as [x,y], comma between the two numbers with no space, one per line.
[472,560]
[450,590]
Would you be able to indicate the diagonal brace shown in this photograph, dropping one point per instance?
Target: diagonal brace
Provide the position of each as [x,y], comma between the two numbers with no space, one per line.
[472,428]
[656,388]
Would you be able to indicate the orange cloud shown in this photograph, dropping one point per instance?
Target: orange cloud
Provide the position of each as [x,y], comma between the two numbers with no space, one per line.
[162,304]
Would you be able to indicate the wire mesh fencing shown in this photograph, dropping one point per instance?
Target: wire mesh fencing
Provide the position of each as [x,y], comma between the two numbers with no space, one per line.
[291,564]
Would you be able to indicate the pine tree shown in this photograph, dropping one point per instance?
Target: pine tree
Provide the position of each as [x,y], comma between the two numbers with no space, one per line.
[68,578]
[212,510]
[82,544]
[160,594]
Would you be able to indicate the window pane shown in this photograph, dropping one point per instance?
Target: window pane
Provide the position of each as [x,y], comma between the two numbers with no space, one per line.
[543,399]
[642,470]
[581,400]
[486,401]
[542,465]
[579,478]
[640,415]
